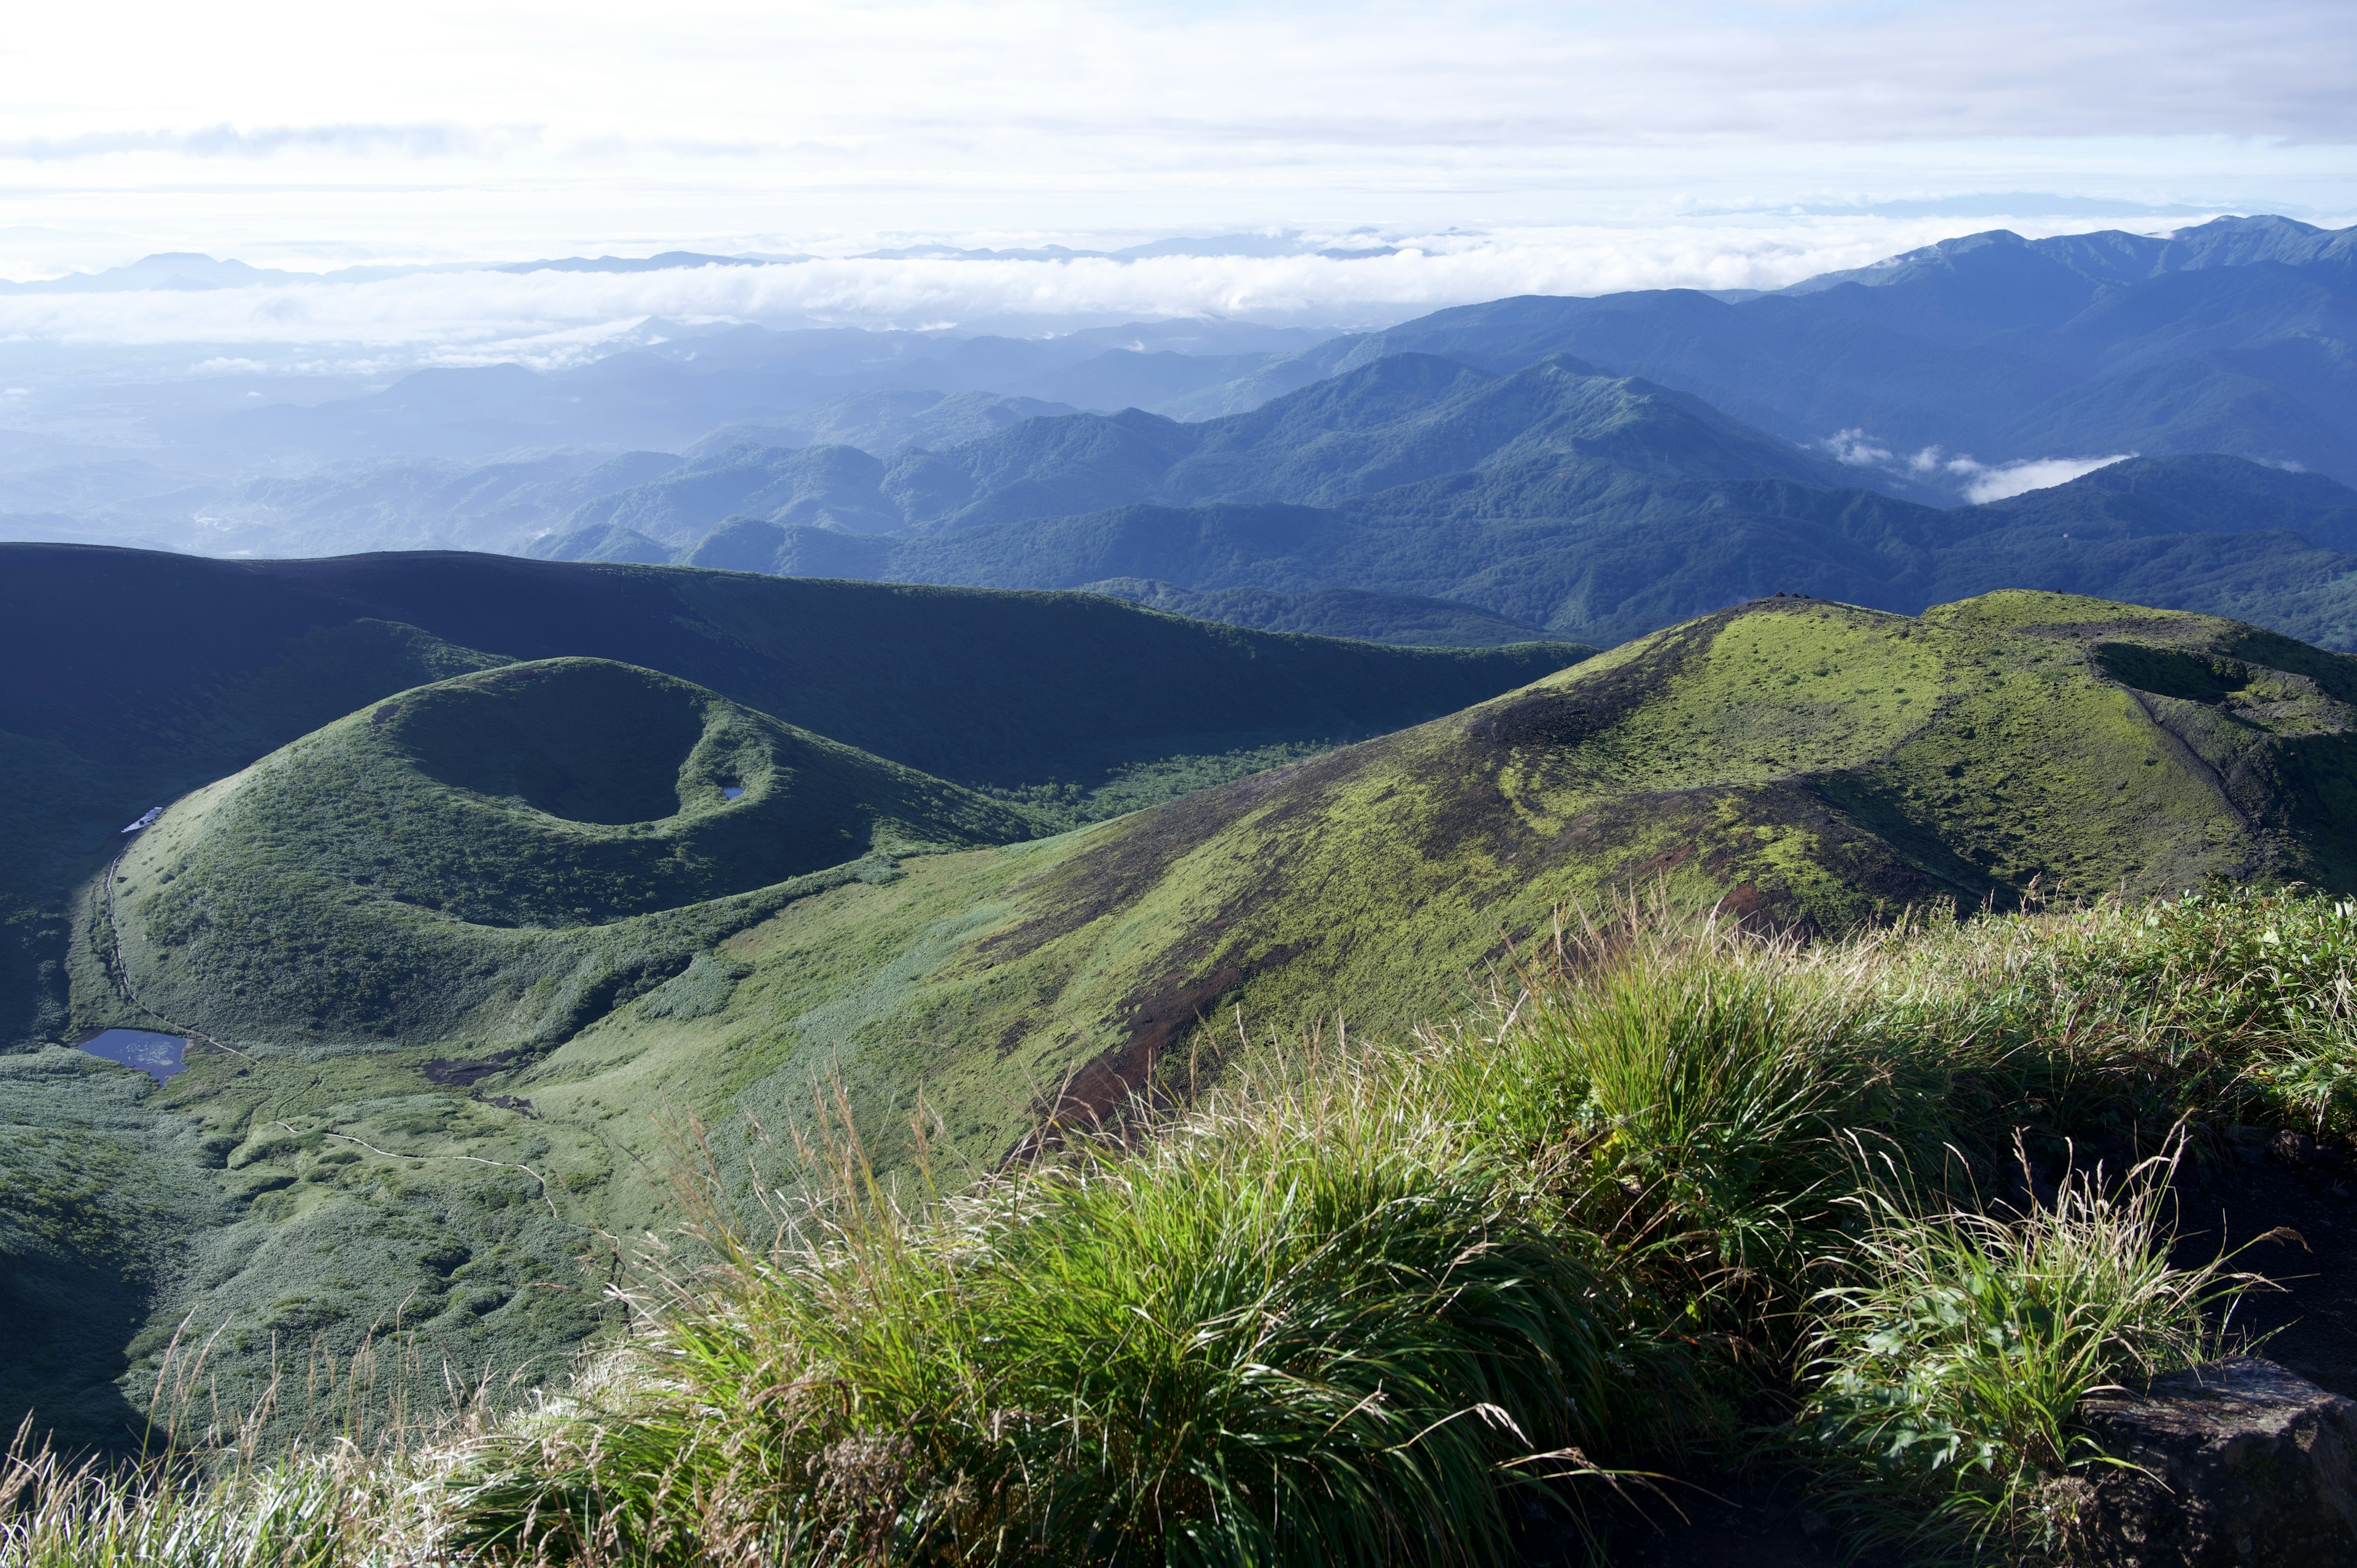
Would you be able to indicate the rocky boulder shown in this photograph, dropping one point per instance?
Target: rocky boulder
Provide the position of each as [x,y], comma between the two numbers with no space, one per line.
[2237,1463]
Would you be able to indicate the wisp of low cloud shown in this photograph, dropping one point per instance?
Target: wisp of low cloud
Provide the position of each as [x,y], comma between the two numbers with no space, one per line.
[1986,482]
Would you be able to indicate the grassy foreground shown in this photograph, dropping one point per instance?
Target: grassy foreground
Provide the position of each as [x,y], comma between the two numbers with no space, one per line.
[1880,1210]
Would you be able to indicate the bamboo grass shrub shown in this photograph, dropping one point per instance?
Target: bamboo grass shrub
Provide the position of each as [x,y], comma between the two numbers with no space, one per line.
[1946,1373]
[2130,1017]
[1677,1089]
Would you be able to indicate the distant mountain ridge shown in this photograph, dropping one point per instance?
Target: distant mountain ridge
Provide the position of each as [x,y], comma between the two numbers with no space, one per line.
[1554,496]
[2238,336]
[1397,420]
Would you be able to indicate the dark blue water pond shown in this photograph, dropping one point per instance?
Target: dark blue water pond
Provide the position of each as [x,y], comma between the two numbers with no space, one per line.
[731,791]
[159,1053]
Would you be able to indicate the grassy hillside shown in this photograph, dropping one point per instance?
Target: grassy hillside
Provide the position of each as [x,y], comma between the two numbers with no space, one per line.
[1433,1299]
[1809,763]
[136,677]
[407,896]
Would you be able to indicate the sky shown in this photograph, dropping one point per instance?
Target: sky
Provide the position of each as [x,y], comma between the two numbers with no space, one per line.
[1560,147]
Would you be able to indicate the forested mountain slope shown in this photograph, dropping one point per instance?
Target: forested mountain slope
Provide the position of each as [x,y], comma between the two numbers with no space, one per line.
[1399,419]
[1597,552]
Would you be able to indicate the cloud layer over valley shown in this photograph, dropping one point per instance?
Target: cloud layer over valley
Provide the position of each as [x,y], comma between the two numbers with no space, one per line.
[551,318]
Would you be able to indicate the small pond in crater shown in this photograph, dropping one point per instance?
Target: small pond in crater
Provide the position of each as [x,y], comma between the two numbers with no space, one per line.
[162,1054]
[731,791]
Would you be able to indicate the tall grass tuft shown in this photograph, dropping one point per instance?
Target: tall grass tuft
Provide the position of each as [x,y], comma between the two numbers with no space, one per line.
[1304,1327]
[333,1508]
[1678,1087]
[1947,1375]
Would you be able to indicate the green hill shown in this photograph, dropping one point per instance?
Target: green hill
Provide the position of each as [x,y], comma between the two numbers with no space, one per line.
[422,861]
[516,1093]
[136,676]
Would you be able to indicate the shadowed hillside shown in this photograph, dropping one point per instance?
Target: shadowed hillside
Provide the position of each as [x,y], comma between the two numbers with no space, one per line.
[139,676]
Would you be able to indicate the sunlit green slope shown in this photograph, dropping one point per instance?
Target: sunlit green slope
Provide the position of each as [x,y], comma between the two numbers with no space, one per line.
[1808,762]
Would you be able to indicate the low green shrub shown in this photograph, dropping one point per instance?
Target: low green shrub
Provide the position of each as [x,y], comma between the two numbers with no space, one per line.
[1947,1374]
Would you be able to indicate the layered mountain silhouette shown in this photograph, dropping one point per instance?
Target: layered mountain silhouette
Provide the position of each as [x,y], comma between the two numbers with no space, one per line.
[1554,496]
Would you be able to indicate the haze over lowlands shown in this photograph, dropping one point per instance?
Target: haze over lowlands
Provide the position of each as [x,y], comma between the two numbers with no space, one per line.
[1078,783]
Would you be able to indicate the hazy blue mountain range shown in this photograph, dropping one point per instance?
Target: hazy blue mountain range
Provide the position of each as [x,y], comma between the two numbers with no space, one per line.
[1398,420]
[670,392]
[1596,507]
[1595,552]
[2230,337]
[2239,336]
[883,422]
[1486,453]
[396,504]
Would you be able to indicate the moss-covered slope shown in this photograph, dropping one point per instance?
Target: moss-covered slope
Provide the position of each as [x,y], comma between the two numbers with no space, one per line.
[1808,762]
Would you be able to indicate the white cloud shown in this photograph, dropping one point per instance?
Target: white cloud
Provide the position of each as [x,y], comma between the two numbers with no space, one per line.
[551,318]
[1858,450]
[1980,482]
[452,128]
[1986,482]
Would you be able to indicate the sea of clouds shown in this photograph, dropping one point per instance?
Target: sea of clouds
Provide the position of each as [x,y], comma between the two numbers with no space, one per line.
[551,318]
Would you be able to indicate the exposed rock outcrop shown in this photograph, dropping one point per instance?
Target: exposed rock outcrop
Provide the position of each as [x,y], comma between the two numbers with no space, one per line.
[2238,1463]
